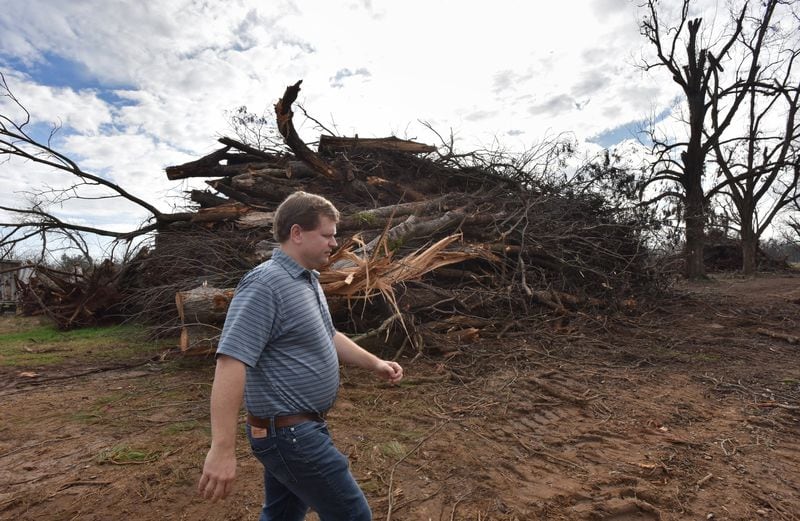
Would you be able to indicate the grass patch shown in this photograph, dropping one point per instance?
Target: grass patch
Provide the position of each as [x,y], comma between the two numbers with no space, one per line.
[371,486]
[185,426]
[704,357]
[110,398]
[87,417]
[28,343]
[124,455]
[393,449]
[412,435]
[98,409]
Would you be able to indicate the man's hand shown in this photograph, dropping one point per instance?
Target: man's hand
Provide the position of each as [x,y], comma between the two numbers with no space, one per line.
[219,471]
[351,353]
[390,371]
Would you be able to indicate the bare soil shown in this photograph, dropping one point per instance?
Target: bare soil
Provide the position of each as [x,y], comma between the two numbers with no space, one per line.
[688,409]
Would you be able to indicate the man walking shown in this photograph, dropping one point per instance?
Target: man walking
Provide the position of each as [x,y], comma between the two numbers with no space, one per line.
[280,350]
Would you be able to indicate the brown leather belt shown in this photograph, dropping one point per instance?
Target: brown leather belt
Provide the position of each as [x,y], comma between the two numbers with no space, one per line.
[284,421]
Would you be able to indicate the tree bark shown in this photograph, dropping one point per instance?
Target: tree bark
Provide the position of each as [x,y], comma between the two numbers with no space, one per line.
[283,111]
[695,231]
[206,199]
[749,246]
[221,186]
[329,145]
[220,213]
[299,170]
[694,158]
[248,149]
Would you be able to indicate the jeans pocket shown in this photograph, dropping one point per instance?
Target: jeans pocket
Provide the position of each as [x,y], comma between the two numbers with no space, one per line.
[308,429]
[261,446]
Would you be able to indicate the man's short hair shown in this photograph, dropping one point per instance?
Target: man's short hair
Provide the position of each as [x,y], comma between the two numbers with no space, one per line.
[303,209]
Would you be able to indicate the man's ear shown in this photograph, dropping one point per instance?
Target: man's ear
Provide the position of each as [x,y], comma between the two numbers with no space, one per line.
[296,233]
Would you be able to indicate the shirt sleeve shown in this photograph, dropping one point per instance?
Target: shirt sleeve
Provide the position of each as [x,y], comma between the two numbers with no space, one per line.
[250,321]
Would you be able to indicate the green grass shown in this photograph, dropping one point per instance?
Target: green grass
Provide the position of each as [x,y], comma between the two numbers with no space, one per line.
[393,449]
[29,343]
[96,412]
[122,455]
[86,417]
[704,357]
[184,426]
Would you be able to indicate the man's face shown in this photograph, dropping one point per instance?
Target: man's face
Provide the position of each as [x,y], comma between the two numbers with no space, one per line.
[316,245]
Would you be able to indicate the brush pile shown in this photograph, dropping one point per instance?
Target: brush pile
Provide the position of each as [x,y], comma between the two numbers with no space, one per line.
[437,248]
[72,299]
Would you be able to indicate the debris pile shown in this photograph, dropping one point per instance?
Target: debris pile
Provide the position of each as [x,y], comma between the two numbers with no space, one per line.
[72,299]
[437,248]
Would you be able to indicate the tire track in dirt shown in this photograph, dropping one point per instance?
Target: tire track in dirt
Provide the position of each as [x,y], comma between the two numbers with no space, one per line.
[583,450]
[585,443]
[548,444]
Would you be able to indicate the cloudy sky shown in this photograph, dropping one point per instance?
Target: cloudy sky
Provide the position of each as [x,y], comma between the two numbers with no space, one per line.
[138,86]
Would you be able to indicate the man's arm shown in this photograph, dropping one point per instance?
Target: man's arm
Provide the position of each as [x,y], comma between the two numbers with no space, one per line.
[350,353]
[227,391]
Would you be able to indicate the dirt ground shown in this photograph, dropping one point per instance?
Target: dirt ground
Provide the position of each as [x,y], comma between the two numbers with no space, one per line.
[689,409]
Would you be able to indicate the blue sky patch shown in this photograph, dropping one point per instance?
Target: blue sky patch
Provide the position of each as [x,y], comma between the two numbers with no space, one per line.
[630,130]
[56,71]
[112,98]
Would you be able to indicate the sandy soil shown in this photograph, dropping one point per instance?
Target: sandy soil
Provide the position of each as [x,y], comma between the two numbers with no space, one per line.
[689,409]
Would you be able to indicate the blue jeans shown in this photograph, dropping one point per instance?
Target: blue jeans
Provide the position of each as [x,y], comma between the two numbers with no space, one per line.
[303,469]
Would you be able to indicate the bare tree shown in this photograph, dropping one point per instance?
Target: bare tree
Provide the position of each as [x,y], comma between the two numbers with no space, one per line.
[695,66]
[761,167]
[793,223]
[36,220]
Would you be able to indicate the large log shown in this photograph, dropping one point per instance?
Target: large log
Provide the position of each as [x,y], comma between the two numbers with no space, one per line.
[198,168]
[222,186]
[248,149]
[210,165]
[204,305]
[215,170]
[299,170]
[220,213]
[414,227]
[206,199]
[202,313]
[329,145]
[264,185]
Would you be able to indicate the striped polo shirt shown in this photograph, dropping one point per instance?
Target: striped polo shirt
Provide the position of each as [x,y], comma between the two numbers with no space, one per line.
[278,324]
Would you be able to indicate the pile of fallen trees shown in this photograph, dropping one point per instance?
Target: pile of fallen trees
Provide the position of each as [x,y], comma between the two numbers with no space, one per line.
[72,299]
[437,248]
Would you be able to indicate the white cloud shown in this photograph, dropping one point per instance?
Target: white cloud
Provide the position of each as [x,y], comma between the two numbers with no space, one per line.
[81,111]
[154,79]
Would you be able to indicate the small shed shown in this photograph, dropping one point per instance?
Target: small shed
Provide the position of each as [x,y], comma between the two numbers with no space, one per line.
[9,270]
